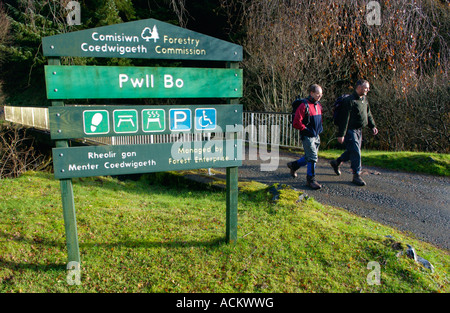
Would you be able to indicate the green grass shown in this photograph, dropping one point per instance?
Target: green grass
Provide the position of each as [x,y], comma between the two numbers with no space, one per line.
[418,162]
[155,236]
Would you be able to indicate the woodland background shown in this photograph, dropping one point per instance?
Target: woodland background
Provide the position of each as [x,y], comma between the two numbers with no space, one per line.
[288,45]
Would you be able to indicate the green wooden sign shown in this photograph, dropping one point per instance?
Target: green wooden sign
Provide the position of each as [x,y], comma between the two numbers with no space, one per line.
[135,159]
[105,121]
[148,39]
[106,82]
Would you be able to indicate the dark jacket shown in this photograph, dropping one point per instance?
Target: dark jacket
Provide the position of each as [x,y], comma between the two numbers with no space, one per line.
[312,126]
[355,114]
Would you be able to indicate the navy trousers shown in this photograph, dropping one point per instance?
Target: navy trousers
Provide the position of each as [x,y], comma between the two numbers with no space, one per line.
[352,141]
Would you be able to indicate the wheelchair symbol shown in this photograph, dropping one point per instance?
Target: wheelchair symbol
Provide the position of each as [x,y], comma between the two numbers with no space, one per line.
[205,119]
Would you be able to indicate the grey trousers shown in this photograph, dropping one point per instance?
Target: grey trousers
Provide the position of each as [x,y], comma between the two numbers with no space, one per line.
[311,146]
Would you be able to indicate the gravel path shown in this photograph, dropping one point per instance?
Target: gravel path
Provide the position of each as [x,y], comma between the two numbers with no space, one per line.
[416,203]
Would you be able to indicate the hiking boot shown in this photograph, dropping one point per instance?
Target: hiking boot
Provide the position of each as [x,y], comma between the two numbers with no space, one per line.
[335,165]
[357,180]
[311,182]
[293,166]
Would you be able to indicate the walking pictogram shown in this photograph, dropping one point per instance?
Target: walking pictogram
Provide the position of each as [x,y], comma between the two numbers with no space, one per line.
[95,122]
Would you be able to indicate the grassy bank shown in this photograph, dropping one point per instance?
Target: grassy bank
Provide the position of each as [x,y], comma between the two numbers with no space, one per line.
[153,236]
[417,162]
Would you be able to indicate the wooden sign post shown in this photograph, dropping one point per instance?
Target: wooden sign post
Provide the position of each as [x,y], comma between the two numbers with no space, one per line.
[144,39]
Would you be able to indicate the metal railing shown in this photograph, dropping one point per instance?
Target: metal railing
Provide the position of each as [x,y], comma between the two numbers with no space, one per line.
[258,128]
[270,128]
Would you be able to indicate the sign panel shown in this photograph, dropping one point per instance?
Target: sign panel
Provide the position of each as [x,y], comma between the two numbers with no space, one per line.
[95,122]
[137,159]
[125,121]
[153,120]
[180,120]
[205,119]
[148,39]
[104,121]
[116,82]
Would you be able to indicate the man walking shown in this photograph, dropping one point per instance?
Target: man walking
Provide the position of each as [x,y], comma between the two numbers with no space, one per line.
[308,119]
[354,115]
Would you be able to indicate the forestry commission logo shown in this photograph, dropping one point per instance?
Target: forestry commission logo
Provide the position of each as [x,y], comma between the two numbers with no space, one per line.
[149,33]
